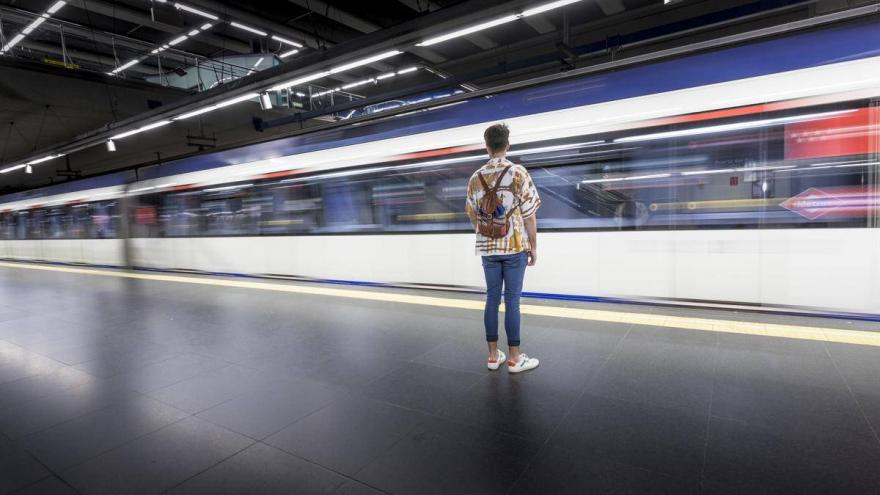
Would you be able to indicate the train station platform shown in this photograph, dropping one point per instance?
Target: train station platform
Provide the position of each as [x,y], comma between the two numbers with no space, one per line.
[142,382]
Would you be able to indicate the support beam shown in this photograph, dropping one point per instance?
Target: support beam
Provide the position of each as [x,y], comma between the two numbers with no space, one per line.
[334,14]
[256,21]
[611,7]
[539,24]
[81,55]
[99,37]
[480,40]
[135,16]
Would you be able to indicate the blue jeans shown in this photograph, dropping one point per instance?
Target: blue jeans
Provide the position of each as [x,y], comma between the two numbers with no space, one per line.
[509,269]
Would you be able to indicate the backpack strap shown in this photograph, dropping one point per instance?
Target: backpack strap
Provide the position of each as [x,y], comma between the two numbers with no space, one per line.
[486,188]
[500,178]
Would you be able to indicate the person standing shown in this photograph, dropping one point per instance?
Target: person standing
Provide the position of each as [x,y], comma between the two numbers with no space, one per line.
[502,202]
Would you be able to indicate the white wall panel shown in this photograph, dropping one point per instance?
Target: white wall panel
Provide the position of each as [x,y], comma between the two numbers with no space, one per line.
[821,268]
[722,267]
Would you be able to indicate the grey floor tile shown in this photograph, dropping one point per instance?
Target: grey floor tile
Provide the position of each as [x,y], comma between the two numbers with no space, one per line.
[506,403]
[562,472]
[55,380]
[37,415]
[18,467]
[211,388]
[663,440]
[265,470]
[78,440]
[771,403]
[161,374]
[444,457]
[792,460]
[157,461]
[348,434]
[112,364]
[422,387]
[268,410]
[355,488]
[17,363]
[659,372]
[48,486]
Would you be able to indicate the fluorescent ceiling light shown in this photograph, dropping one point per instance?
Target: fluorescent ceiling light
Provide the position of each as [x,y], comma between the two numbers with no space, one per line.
[287,41]
[44,159]
[248,28]
[178,40]
[300,80]
[365,61]
[141,129]
[33,25]
[385,76]
[14,41]
[206,26]
[232,101]
[195,11]
[13,168]
[193,32]
[497,22]
[468,30]
[56,7]
[125,66]
[548,6]
[237,99]
[289,53]
[407,70]
[195,112]
[728,127]
[358,83]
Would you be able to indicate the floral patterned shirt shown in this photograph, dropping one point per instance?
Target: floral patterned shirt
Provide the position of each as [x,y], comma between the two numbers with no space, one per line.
[518,194]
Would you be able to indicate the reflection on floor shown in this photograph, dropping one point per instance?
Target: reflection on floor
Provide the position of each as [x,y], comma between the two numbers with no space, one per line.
[131,385]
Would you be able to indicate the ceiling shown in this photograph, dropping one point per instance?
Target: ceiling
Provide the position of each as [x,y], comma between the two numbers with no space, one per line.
[71,79]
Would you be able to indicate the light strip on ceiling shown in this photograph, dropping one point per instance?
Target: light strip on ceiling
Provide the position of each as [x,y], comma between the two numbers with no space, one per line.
[289,53]
[211,108]
[141,129]
[299,80]
[33,25]
[540,9]
[13,168]
[124,66]
[196,11]
[468,30]
[364,61]
[32,162]
[496,22]
[286,41]
[248,28]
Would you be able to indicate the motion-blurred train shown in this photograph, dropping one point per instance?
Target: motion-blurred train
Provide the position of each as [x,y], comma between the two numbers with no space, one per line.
[745,175]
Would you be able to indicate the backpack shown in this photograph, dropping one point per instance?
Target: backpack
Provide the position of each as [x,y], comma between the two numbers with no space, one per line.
[492,207]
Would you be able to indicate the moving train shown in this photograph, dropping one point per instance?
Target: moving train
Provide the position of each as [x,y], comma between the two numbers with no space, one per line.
[739,176]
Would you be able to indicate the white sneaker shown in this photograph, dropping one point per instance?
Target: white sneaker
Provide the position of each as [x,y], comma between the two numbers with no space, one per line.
[500,358]
[525,363]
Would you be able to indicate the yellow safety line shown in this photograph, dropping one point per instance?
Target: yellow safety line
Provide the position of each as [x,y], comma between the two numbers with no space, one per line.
[679,322]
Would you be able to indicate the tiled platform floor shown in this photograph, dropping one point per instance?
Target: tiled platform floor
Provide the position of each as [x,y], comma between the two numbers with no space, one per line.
[115,386]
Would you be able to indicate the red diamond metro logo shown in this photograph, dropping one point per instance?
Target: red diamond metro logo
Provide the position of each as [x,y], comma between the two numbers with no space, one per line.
[812,203]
